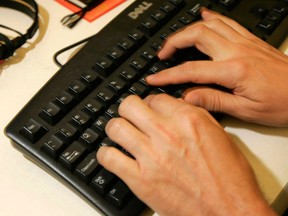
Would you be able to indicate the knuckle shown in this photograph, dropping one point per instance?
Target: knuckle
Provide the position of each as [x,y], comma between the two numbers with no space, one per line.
[158,97]
[200,29]
[241,67]
[153,99]
[186,66]
[216,22]
[192,118]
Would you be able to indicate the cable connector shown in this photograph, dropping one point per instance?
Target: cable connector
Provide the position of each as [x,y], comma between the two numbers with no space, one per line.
[72,19]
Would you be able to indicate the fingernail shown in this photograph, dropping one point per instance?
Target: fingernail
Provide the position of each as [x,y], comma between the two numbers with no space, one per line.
[150,77]
[204,12]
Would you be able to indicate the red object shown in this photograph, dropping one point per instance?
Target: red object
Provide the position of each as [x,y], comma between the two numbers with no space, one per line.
[98,11]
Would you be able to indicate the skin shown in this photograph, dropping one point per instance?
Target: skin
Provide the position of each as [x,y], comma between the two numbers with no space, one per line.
[255,73]
[183,161]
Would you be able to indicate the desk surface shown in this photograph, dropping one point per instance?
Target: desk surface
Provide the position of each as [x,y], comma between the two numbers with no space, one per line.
[25,189]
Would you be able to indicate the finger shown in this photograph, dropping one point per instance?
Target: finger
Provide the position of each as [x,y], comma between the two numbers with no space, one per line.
[167,106]
[252,39]
[164,104]
[126,135]
[118,163]
[218,101]
[136,111]
[228,32]
[212,15]
[199,72]
[199,35]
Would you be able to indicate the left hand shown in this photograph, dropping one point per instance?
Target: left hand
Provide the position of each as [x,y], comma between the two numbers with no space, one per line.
[184,161]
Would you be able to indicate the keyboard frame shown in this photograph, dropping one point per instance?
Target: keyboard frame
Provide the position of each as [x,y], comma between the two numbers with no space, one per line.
[70,72]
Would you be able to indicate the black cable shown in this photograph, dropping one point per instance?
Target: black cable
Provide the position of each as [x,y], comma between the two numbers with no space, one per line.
[68,48]
[11,29]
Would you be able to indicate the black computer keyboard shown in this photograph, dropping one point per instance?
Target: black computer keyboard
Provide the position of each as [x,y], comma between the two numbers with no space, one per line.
[62,127]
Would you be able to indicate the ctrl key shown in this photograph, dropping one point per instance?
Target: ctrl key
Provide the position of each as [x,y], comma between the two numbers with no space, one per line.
[33,131]
[119,195]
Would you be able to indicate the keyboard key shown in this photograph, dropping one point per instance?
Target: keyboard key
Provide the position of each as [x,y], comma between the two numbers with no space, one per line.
[128,75]
[127,45]
[156,45]
[78,89]
[104,66]
[112,111]
[274,17]
[266,26]
[107,142]
[93,108]
[53,146]
[229,4]
[186,20]
[156,67]
[91,79]
[105,96]
[33,131]
[143,80]
[149,26]
[73,154]
[122,97]
[103,181]
[281,8]
[87,167]
[195,10]
[51,113]
[100,123]
[65,101]
[68,132]
[177,2]
[116,54]
[176,26]
[119,195]
[259,10]
[149,55]
[159,16]
[117,85]
[139,64]
[138,37]
[81,120]
[90,139]
[139,89]
[168,8]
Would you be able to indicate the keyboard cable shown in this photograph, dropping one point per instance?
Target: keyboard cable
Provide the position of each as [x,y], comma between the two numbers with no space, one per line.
[58,53]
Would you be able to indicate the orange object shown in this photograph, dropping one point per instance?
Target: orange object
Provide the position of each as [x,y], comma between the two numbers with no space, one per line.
[98,11]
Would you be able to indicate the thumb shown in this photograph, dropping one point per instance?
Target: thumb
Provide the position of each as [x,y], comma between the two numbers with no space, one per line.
[213,100]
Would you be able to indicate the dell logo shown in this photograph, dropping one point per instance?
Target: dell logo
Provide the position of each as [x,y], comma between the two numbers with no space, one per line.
[139,10]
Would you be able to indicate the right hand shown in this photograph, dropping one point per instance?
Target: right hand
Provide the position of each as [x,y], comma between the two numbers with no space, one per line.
[255,73]
[183,161]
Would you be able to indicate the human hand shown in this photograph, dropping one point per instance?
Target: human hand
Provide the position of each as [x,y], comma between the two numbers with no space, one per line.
[255,73]
[184,163]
